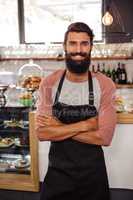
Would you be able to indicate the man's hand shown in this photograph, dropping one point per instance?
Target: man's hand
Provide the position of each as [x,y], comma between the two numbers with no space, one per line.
[93,122]
[47,120]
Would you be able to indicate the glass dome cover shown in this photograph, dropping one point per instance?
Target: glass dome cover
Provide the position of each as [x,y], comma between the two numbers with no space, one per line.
[30,75]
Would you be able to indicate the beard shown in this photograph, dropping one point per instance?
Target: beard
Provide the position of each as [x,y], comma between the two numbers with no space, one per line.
[77,66]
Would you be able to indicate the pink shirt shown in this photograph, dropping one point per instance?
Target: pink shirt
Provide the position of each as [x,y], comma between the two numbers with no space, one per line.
[106,113]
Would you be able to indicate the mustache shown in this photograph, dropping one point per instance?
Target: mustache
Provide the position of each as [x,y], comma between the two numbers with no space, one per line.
[78,54]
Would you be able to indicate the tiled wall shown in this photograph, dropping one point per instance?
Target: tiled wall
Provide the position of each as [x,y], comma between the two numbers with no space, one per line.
[50,66]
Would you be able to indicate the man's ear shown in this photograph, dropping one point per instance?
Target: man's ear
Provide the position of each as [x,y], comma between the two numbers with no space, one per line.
[91,47]
[64,47]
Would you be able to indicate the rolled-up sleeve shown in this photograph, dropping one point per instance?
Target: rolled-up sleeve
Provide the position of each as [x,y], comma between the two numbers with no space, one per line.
[44,100]
[107,112]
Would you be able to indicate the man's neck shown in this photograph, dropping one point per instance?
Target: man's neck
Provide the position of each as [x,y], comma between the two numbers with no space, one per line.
[76,77]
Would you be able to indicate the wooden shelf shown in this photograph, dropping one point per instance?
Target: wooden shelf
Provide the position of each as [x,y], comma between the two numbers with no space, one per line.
[33,58]
[124,86]
[17,182]
[113,58]
[125,118]
[62,58]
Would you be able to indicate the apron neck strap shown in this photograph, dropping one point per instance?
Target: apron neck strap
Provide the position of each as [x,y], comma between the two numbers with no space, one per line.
[90,86]
[59,87]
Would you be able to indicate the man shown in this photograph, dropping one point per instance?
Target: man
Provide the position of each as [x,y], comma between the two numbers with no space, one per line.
[75,111]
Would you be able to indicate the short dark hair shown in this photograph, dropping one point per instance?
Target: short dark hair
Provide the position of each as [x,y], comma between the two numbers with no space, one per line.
[79,27]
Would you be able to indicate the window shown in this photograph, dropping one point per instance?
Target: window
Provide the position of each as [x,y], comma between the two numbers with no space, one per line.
[47,20]
[9,34]
[41,21]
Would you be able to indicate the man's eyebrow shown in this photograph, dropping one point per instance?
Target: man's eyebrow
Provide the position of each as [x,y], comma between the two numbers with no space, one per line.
[78,41]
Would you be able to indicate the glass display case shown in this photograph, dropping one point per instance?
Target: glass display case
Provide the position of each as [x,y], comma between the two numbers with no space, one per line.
[18,149]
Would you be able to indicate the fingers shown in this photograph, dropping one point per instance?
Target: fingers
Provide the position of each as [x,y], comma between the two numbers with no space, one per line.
[41,120]
[46,120]
[47,117]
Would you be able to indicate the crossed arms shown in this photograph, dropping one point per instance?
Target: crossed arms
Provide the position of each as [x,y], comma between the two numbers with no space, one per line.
[97,130]
[49,128]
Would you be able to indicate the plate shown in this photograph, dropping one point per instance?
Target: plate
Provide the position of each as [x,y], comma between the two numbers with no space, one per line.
[2,145]
[13,124]
[22,163]
[17,142]
[6,142]
[16,124]
[20,145]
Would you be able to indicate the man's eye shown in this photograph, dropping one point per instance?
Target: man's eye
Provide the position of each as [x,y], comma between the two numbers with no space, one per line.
[82,43]
[85,43]
[72,43]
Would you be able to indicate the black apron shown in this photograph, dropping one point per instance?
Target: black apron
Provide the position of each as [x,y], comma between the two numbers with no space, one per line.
[76,170]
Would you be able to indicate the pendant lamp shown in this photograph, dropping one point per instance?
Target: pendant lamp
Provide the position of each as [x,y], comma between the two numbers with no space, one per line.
[107,19]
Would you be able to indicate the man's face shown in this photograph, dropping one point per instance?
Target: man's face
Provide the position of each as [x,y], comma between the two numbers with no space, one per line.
[77,49]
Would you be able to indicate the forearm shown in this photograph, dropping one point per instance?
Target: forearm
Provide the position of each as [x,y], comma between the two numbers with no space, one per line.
[89,137]
[65,131]
[57,133]
[102,136]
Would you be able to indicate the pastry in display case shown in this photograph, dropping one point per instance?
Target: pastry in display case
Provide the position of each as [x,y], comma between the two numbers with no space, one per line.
[3,88]
[18,150]
[120,104]
[6,142]
[31,82]
[124,100]
[124,105]
[30,75]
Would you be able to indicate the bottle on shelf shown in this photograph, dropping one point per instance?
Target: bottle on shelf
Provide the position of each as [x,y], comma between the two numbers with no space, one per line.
[114,75]
[123,74]
[119,73]
[98,68]
[103,69]
[108,73]
[93,69]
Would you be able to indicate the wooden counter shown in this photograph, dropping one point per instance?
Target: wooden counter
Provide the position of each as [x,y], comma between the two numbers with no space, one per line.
[124,118]
[124,86]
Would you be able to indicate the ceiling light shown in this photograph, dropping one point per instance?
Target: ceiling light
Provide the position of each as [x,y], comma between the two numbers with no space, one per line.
[107,19]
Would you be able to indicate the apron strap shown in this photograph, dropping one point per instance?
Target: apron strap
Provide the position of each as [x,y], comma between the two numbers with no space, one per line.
[59,87]
[91,93]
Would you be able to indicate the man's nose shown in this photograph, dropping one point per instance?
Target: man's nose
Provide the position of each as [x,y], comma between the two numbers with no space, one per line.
[78,48]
